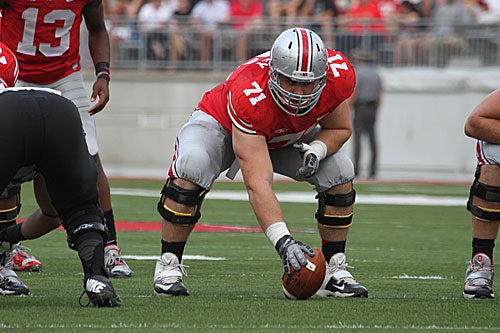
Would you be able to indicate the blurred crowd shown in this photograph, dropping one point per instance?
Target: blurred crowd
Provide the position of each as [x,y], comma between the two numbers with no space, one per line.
[413,32]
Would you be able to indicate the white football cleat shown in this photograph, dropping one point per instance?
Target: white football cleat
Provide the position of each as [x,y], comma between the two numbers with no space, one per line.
[20,259]
[479,278]
[10,284]
[168,276]
[339,282]
[114,263]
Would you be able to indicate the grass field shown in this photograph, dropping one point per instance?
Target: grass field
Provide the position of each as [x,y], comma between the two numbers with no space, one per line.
[412,259]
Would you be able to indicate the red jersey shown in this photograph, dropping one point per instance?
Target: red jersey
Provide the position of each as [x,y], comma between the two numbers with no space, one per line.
[362,12]
[45,36]
[243,15]
[244,100]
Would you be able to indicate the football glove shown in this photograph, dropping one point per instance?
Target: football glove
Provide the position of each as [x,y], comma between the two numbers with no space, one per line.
[313,154]
[292,253]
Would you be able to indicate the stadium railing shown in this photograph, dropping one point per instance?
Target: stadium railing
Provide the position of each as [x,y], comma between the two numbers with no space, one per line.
[181,45]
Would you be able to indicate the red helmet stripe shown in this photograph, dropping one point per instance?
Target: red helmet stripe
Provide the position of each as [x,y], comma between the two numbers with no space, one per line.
[305,61]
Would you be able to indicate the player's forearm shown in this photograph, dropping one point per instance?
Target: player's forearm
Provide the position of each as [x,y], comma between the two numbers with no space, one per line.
[334,139]
[482,128]
[99,47]
[265,206]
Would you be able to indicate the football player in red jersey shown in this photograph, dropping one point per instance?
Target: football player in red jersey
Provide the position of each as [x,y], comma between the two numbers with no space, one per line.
[41,134]
[484,202]
[283,111]
[45,36]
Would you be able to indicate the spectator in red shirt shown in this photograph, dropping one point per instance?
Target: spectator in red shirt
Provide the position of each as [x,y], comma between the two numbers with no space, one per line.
[245,16]
[362,26]
[244,12]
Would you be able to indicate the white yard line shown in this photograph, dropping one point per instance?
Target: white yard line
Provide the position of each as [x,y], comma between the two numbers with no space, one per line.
[308,197]
[142,326]
[418,277]
[186,256]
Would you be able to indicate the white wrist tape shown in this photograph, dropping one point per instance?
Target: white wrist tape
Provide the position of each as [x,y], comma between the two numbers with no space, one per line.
[275,231]
[318,148]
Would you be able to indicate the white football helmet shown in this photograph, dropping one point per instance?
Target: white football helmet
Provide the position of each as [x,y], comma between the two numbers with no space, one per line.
[9,69]
[300,55]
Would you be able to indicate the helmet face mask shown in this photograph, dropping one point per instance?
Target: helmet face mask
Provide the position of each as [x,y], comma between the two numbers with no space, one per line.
[299,55]
[295,104]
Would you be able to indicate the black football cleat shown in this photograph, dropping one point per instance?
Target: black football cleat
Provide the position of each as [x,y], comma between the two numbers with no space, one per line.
[100,292]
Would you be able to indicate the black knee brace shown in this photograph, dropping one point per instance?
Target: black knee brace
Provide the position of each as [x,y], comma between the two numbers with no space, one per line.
[337,200]
[485,192]
[82,221]
[10,214]
[182,196]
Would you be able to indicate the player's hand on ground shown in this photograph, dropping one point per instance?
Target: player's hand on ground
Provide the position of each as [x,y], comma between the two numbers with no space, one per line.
[292,253]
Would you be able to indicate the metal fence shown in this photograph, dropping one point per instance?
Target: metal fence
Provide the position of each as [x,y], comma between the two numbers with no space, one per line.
[182,45]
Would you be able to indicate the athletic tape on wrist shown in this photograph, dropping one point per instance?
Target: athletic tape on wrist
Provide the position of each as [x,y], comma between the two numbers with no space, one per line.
[318,148]
[275,231]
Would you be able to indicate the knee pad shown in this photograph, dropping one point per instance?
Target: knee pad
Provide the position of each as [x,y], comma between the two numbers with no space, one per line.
[79,222]
[10,214]
[182,196]
[336,200]
[486,192]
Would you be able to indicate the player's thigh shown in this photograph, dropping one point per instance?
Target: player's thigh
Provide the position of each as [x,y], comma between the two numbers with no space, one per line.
[73,88]
[490,173]
[203,150]
[335,169]
[69,170]
[487,178]
[13,135]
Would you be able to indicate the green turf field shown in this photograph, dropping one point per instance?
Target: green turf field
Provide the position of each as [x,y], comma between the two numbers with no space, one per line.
[412,259]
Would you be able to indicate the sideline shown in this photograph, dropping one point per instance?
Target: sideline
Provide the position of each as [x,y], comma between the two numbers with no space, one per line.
[308,197]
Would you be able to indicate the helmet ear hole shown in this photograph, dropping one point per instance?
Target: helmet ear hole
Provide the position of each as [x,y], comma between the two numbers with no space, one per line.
[300,55]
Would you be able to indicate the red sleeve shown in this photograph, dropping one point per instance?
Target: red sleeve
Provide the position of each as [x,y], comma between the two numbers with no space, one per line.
[340,75]
[247,108]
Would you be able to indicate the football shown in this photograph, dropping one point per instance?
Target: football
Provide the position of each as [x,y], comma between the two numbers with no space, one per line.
[305,282]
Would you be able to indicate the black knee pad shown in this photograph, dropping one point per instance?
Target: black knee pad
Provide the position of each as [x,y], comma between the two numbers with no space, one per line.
[79,222]
[486,192]
[182,196]
[336,200]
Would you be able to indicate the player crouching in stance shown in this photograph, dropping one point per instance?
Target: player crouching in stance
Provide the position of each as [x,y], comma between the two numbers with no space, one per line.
[42,137]
[283,111]
[483,124]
